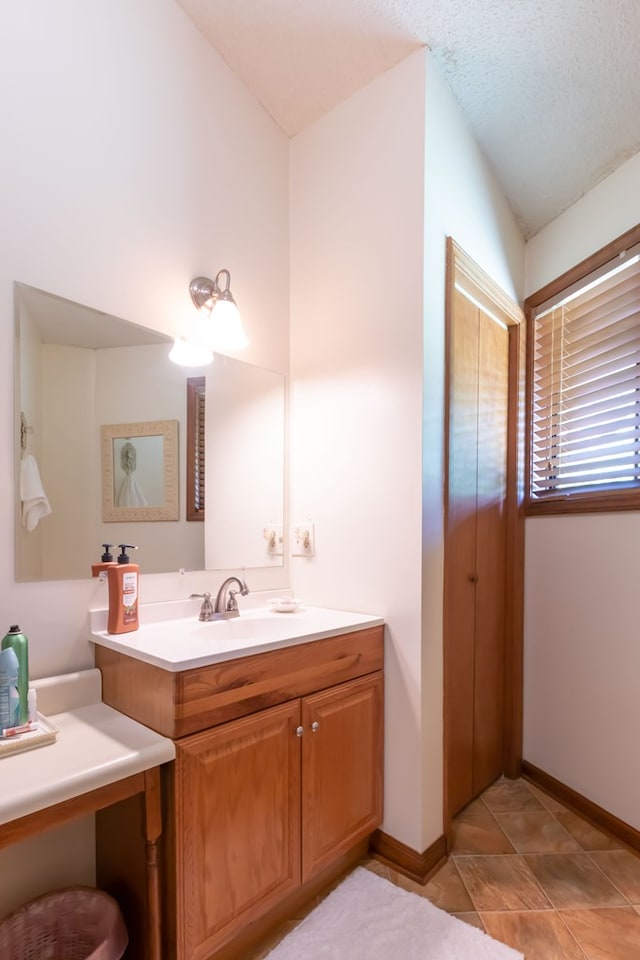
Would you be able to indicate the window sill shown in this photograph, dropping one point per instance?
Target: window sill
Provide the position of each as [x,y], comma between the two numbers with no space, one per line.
[607,502]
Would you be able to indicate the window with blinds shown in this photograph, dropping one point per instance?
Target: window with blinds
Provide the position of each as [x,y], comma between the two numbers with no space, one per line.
[585,388]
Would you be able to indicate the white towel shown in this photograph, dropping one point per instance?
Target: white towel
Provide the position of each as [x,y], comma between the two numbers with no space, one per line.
[130,494]
[35,505]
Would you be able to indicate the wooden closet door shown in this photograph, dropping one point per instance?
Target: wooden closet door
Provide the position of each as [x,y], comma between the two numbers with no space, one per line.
[475,551]
[461,552]
[488,719]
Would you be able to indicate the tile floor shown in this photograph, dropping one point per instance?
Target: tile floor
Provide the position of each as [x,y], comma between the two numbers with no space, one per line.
[535,876]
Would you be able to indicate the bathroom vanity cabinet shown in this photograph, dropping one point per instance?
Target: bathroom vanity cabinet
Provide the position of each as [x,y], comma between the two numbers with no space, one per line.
[277,777]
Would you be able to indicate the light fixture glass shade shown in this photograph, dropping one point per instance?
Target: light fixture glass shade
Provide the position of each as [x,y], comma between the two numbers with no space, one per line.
[224,329]
[190,353]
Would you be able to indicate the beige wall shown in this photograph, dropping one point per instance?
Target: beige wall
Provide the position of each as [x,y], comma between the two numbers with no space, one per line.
[582,655]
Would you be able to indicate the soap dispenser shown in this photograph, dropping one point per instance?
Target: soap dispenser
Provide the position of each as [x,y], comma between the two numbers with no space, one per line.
[106,560]
[122,578]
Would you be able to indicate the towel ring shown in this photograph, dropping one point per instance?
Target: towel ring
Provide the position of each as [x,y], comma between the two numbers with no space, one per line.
[24,430]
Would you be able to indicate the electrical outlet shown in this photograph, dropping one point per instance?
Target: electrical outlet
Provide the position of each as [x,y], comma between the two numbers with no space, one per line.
[274,535]
[303,539]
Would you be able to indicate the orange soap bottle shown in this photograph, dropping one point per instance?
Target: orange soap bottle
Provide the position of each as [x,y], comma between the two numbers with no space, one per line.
[123,593]
[106,561]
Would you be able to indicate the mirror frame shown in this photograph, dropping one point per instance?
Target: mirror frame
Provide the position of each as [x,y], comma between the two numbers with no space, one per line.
[168,430]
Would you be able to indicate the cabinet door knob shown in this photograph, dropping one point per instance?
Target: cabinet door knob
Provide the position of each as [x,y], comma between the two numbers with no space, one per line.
[299,731]
[315,726]
[473,577]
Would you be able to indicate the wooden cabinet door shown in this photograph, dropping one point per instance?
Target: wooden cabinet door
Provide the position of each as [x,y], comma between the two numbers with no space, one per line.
[342,761]
[237,796]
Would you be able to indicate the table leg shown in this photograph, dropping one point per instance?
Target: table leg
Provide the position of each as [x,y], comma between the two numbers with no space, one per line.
[153,831]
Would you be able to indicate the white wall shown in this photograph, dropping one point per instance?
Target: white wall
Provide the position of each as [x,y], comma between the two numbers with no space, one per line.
[582,655]
[245,433]
[117,189]
[375,187]
[464,201]
[357,222]
[132,161]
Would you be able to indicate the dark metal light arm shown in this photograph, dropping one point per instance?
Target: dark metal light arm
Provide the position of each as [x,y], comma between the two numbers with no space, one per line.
[206,293]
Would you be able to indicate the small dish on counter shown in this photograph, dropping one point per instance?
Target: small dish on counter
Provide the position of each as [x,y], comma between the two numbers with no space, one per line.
[285,604]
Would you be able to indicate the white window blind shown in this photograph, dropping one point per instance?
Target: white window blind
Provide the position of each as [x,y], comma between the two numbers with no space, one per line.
[586,388]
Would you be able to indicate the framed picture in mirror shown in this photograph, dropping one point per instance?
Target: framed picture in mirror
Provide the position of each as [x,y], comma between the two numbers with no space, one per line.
[140,471]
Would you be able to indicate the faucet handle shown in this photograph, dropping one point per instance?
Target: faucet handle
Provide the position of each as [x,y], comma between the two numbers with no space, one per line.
[206,610]
[232,603]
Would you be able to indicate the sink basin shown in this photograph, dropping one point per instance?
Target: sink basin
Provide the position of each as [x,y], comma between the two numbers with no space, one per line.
[184,644]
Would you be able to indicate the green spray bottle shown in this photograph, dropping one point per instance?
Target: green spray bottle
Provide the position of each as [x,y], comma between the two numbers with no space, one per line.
[20,645]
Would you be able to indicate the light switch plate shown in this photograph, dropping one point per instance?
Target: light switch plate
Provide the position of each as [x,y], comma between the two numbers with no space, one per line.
[303,539]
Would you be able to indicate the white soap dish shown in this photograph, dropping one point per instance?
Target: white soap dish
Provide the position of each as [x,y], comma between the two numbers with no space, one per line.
[285,604]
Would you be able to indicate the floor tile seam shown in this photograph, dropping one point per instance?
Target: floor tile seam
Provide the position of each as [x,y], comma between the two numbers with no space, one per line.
[528,869]
[566,832]
[597,829]
[519,812]
[608,878]
[465,887]
[487,856]
[539,809]
[592,906]
[493,817]
[594,909]
[537,852]
[537,910]
[518,853]
[527,910]
[571,933]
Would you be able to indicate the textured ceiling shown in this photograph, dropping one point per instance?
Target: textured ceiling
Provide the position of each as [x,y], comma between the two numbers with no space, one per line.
[551,88]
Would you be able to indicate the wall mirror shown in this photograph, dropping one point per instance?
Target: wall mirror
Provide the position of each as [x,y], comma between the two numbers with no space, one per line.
[78,370]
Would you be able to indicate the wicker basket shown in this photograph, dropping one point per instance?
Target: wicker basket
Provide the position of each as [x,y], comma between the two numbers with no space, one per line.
[77,923]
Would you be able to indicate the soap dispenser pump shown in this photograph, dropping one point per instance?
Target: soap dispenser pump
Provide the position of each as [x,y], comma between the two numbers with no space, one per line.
[122,578]
[106,560]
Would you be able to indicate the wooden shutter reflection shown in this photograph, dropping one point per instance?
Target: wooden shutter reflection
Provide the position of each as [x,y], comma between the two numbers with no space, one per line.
[195,447]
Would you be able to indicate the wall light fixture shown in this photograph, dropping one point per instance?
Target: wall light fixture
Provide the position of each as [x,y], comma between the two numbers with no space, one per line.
[224,331]
[217,327]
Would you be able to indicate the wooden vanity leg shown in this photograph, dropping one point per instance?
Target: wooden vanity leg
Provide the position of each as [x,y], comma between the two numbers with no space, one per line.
[153,831]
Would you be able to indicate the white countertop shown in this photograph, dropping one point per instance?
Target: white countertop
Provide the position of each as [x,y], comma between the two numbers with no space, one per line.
[95,746]
[182,644]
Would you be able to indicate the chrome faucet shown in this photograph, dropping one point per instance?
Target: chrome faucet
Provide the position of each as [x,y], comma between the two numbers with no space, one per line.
[226,605]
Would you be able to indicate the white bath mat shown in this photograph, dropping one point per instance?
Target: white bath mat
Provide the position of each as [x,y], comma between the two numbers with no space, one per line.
[368,918]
